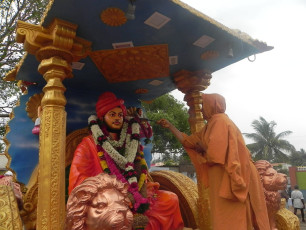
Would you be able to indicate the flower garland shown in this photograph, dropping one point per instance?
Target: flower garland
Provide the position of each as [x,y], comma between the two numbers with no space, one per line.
[146,130]
[110,157]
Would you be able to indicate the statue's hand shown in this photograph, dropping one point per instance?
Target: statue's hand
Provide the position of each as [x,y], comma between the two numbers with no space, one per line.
[164,123]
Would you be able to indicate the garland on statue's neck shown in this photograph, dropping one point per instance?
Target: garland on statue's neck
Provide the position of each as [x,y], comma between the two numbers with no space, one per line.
[110,158]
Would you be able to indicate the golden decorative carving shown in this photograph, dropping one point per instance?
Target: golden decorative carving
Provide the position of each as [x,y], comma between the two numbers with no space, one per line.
[209,55]
[32,105]
[187,81]
[194,101]
[72,141]
[51,182]
[54,70]
[9,212]
[285,219]
[141,91]
[59,39]
[8,144]
[113,16]
[29,210]
[185,189]
[58,67]
[203,203]
[191,83]
[130,64]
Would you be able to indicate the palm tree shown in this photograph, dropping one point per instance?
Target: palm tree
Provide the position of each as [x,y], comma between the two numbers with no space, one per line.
[267,144]
[298,158]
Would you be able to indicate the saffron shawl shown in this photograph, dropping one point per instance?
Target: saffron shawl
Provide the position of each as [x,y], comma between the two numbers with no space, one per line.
[220,155]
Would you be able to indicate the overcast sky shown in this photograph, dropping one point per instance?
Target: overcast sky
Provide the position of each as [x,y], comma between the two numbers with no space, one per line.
[274,85]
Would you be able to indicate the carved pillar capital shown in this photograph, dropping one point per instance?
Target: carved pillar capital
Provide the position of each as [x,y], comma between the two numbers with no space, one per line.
[188,81]
[191,83]
[59,39]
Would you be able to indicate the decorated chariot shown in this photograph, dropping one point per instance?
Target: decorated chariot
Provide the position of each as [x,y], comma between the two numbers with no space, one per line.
[139,50]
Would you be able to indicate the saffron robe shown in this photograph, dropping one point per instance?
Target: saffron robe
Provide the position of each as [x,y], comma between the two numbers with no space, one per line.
[164,212]
[220,155]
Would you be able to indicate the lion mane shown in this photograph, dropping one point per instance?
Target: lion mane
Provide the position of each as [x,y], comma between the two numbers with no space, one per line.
[277,181]
[81,197]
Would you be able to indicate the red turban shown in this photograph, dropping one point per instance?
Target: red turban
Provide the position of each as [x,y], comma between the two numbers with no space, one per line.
[108,101]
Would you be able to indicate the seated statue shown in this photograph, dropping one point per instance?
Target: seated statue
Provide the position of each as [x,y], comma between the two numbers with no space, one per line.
[99,202]
[272,181]
[113,147]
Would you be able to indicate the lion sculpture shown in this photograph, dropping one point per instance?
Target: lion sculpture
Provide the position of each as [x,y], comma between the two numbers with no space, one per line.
[272,181]
[100,202]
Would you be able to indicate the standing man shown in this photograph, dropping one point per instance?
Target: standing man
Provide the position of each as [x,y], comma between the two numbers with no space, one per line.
[236,195]
[298,201]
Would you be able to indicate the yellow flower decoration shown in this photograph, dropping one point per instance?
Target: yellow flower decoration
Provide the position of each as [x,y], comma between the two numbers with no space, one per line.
[113,16]
[143,176]
[142,179]
[103,165]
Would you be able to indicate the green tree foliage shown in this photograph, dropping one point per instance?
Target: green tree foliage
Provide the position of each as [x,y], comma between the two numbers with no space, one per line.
[298,158]
[10,52]
[171,109]
[267,144]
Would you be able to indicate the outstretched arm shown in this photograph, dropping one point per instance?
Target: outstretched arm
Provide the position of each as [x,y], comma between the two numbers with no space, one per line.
[166,124]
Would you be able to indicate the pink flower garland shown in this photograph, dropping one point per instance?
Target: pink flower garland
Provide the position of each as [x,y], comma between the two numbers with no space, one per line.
[133,187]
[146,131]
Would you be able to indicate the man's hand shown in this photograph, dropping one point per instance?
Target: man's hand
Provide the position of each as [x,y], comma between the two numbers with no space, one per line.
[164,123]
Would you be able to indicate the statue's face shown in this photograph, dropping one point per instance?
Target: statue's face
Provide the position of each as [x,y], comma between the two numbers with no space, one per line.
[272,180]
[114,118]
[109,210]
[268,176]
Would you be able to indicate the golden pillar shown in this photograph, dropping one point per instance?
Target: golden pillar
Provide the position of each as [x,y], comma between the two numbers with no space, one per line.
[55,47]
[191,83]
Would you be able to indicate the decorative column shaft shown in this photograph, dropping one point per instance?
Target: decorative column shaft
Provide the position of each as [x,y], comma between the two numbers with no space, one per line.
[191,83]
[55,47]
[51,182]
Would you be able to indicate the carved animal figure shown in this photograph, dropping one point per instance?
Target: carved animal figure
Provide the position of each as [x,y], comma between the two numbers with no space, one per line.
[272,181]
[99,202]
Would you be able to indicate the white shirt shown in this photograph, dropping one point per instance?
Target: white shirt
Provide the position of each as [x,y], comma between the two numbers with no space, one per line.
[297,196]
